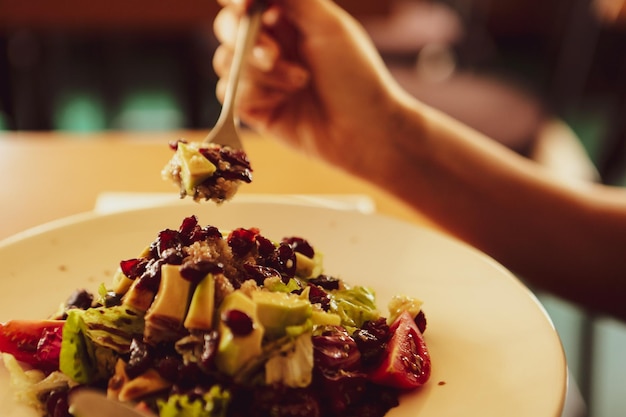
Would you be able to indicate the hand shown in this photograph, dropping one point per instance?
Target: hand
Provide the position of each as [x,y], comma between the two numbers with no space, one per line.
[314,79]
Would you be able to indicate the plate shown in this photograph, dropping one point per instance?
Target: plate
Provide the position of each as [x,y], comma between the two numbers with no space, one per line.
[494,350]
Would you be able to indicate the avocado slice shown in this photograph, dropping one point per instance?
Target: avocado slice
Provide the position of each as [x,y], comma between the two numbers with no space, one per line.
[278,310]
[121,283]
[200,314]
[194,167]
[234,351]
[167,312]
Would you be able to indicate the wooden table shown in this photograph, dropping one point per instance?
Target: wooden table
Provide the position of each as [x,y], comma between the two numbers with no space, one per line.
[45,176]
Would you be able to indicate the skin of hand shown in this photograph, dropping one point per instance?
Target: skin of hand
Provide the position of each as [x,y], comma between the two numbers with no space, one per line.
[300,92]
[316,82]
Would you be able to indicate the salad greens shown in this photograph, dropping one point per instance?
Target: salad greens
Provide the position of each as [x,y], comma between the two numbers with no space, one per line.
[213,403]
[205,323]
[93,338]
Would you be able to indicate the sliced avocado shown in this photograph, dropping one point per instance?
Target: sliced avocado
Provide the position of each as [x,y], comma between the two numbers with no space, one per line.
[279,310]
[167,312]
[234,351]
[308,267]
[195,168]
[304,265]
[200,314]
[138,297]
[323,318]
[121,283]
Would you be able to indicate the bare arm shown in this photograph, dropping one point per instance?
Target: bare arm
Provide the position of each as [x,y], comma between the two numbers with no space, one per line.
[567,239]
[328,94]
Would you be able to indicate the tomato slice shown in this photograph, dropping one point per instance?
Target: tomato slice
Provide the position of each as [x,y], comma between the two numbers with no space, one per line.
[407,362]
[35,342]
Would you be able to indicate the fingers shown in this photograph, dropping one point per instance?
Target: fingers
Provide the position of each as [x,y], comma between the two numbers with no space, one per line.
[252,97]
[266,64]
[274,73]
[264,53]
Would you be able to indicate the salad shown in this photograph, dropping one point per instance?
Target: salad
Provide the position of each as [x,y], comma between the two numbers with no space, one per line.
[207,171]
[212,323]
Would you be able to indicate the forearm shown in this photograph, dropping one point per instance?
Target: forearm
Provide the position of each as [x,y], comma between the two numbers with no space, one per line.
[566,240]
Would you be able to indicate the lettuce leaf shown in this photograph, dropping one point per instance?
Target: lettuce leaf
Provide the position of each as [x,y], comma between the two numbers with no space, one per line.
[94,338]
[213,403]
[355,306]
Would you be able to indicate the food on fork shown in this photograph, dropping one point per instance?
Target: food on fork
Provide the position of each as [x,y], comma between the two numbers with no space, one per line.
[207,171]
[212,323]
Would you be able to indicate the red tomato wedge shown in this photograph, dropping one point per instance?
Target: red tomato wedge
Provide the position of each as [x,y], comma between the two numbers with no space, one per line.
[407,361]
[35,342]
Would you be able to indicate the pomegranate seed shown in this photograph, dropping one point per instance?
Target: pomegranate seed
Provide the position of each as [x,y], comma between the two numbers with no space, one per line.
[239,322]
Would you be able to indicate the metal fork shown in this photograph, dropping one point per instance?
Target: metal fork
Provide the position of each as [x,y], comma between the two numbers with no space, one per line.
[86,402]
[226,130]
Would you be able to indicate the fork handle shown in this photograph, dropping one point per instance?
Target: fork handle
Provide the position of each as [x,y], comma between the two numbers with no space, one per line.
[246,36]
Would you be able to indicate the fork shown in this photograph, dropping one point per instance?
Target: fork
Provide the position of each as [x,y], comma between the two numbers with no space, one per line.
[226,130]
[85,402]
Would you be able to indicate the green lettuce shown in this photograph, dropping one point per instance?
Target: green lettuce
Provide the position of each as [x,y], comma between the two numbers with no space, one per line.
[214,403]
[94,338]
[354,305]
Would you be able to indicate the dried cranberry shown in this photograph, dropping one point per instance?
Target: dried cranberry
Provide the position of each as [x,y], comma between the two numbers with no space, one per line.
[195,271]
[242,241]
[260,273]
[167,239]
[300,245]
[81,299]
[140,359]
[237,174]
[236,157]
[212,154]
[317,295]
[203,234]
[188,225]
[151,278]
[133,268]
[283,259]
[371,340]
[265,246]
[327,282]
[239,322]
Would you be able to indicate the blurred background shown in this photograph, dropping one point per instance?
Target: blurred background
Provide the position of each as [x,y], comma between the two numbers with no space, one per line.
[546,78]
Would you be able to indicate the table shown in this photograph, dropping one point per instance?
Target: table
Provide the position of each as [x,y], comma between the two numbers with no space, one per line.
[46,176]
[49,175]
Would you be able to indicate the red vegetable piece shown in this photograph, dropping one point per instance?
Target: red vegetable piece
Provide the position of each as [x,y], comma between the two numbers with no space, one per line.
[406,364]
[35,342]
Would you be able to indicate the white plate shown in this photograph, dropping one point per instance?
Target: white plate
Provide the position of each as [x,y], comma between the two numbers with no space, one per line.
[494,350]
